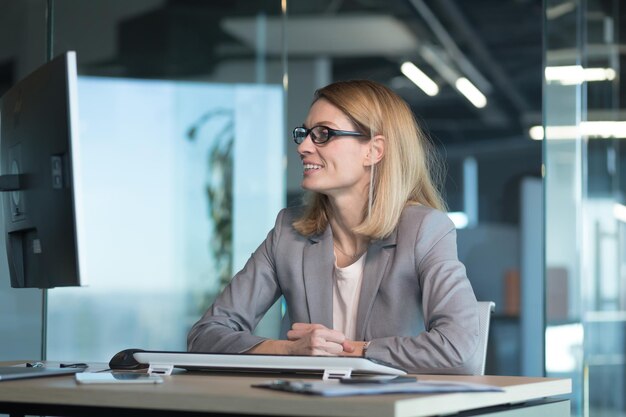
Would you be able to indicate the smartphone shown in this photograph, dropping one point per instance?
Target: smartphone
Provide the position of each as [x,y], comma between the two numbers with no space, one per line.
[377,379]
[116,378]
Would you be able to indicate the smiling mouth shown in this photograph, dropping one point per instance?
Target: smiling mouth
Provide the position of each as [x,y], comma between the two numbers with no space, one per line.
[311,167]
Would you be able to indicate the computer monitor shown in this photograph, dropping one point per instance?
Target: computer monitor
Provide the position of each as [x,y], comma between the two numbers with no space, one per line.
[39,176]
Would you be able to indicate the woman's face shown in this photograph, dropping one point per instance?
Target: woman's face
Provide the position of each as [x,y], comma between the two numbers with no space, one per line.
[338,167]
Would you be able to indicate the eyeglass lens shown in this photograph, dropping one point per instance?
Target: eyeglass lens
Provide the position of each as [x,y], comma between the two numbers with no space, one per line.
[319,134]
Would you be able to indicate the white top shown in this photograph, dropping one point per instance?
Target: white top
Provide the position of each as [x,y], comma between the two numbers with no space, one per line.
[346,293]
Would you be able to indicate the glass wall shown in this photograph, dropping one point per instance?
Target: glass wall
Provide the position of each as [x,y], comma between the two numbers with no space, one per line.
[182,157]
[584,190]
[23,35]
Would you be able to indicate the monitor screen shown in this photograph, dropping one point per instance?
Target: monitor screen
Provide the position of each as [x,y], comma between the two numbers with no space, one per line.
[39,178]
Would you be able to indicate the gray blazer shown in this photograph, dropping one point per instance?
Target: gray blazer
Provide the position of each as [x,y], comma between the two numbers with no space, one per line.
[417,306]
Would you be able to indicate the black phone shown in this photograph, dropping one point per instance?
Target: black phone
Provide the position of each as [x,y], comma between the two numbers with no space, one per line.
[377,379]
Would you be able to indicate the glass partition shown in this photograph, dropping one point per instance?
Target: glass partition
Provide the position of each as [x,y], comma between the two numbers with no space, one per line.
[22,49]
[585,257]
[181,130]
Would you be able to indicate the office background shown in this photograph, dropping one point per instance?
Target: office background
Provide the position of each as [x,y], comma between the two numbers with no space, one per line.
[186,108]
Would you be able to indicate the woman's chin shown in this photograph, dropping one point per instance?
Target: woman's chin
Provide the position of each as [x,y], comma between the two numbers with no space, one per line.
[312,188]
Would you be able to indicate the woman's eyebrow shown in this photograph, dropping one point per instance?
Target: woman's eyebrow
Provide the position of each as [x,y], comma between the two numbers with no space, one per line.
[326,123]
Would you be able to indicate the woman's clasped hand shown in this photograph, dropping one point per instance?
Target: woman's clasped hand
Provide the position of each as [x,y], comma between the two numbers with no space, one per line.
[316,339]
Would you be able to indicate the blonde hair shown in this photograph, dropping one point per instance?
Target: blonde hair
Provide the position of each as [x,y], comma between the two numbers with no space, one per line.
[405,175]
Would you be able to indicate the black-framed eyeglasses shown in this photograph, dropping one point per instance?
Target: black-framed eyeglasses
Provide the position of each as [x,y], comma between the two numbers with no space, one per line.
[320,134]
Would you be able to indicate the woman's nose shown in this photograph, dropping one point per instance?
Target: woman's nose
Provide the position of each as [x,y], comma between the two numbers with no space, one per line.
[306,146]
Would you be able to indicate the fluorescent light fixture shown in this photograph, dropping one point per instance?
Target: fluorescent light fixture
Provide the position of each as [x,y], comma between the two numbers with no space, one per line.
[536,132]
[619,212]
[606,130]
[437,59]
[470,92]
[464,86]
[420,79]
[599,74]
[559,10]
[576,74]
[459,219]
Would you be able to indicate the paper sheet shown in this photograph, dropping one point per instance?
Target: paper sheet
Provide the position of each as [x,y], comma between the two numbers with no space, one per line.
[337,389]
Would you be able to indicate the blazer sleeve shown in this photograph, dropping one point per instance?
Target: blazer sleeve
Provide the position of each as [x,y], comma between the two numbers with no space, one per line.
[450,340]
[227,325]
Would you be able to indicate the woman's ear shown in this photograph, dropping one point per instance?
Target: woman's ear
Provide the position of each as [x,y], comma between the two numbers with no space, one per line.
[376,150]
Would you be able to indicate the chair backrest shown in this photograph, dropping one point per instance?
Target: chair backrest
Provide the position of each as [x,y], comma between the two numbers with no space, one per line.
[485,308]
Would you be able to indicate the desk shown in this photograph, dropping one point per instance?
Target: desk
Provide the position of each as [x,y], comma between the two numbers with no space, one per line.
[194,394]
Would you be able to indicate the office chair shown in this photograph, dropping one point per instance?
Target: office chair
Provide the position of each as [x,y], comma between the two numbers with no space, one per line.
[485,308]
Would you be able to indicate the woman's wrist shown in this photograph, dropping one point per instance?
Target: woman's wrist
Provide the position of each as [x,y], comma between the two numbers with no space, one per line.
[355,348]
[271,347]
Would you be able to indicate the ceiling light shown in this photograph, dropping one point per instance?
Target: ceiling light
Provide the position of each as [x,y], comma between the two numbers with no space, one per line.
[536,132]
[462,84]
[470,92]
[576,74]
[559,10]
[437,59]
[419,78]
[606,130]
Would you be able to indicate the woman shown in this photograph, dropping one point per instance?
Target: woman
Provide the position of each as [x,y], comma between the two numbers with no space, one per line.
[369,267]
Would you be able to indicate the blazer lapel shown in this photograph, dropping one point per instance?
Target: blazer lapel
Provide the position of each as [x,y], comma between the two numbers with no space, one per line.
[317,267]
[378,255]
